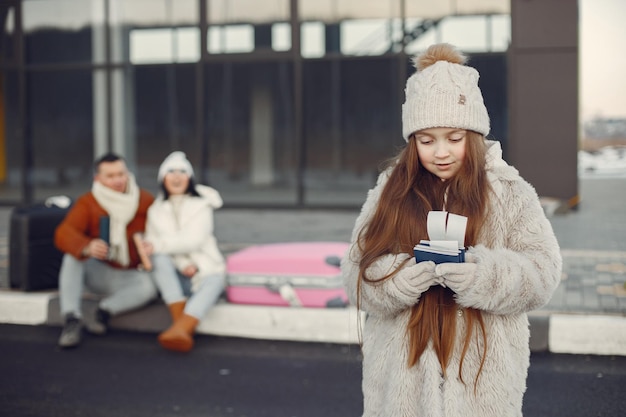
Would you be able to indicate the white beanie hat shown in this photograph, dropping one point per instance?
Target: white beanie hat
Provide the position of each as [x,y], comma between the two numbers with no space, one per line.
[177,160]
[443,93]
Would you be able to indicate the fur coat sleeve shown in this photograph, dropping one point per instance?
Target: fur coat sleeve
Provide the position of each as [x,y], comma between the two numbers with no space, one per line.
[519,261]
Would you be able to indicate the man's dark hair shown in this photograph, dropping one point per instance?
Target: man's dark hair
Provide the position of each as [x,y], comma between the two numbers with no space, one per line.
[191,189]
[107,157]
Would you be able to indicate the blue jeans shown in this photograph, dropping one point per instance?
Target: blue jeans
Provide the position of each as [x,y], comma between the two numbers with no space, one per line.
[124,289]
[175,287]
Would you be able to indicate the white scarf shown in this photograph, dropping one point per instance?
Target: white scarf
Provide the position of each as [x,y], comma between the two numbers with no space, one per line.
[121,208]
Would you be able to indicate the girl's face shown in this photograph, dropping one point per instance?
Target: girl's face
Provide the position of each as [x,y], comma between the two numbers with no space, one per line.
[176,182]
[441,150]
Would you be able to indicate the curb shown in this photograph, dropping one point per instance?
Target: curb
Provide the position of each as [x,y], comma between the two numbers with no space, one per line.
[550,331]
[326,325]
[588,334]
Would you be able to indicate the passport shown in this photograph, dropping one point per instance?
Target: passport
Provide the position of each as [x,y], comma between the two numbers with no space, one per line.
[446,232]
[424,251]
[104,226]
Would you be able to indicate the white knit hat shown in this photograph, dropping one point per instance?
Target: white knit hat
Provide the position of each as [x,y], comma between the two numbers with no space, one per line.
[177,160]
[443,93]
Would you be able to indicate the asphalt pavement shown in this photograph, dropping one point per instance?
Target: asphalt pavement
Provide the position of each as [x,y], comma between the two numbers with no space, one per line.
[126,374]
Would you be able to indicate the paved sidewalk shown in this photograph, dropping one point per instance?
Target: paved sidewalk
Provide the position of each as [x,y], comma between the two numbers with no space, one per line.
[586,315]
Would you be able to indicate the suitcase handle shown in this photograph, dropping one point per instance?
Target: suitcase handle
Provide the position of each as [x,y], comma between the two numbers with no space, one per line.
[333,260]
[288,294]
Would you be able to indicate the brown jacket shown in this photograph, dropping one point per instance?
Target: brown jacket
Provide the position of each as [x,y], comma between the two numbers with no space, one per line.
[82,224]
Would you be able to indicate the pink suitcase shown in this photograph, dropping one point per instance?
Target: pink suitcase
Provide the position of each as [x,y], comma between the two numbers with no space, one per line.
[299,274]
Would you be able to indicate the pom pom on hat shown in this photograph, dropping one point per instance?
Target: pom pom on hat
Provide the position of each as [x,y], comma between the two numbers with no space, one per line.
[443,93]
[176,161]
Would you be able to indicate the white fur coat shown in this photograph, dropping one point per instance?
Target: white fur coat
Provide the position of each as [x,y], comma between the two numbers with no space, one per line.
[519,267]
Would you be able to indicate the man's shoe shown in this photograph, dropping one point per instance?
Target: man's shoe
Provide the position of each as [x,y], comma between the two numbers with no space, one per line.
[72,332]
[100,324]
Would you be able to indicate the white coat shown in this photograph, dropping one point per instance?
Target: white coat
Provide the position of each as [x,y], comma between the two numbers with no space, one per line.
[518,268]
[189,239]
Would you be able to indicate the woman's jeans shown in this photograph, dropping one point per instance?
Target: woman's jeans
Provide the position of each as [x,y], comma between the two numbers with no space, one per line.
[175,287]
[124,289]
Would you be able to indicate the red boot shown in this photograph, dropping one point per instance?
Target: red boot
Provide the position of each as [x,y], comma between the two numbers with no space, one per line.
[179,337]
[176,310]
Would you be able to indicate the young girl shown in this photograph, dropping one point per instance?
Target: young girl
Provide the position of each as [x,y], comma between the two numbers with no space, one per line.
[449,339]
[188,268]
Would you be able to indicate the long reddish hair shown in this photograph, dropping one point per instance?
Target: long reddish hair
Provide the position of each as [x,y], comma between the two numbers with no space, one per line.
[399,222]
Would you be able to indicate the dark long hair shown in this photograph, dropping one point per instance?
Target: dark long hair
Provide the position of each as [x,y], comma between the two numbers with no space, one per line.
[399,222]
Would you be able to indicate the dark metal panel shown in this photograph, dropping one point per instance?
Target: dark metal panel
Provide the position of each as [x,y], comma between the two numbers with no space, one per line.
[543,96]
[544,24]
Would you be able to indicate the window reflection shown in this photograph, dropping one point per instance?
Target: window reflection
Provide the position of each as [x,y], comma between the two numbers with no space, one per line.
[149,46]
[313,39]
[147,13]
[62,31]
[248,11]
[231,39]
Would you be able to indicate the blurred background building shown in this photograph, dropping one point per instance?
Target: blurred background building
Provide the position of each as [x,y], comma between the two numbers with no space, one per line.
[277,103]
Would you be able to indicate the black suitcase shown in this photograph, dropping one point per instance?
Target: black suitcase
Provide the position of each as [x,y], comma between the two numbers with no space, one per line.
[34,261]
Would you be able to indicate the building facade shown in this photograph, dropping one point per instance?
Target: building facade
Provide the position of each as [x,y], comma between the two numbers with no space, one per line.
[277,103]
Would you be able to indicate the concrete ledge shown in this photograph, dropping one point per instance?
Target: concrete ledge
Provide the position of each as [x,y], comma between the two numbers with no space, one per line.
[333,325]
[246,321]
[17,307]
[552,332]
[588,334]
[283,323]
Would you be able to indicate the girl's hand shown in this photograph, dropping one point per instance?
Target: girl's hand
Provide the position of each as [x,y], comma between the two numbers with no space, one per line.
[457,277]
[148,248]
[190,270]
[414,279]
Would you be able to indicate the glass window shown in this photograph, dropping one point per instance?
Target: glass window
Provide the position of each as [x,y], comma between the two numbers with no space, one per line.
[368,27]
[468,33]
[164,118]
[8,18]
[153,13]
[249,131]
[313,39]
[243,26]
[235,120]
[421,33]
[11,146]
[490,33]
[144,31]
[370,36]
[501,32]
[281,36]
[247,11]
[334,11]
[427,9]
[7,36]
[347,135]
[231,39]
[63,31]
[60,114]
[149,46]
